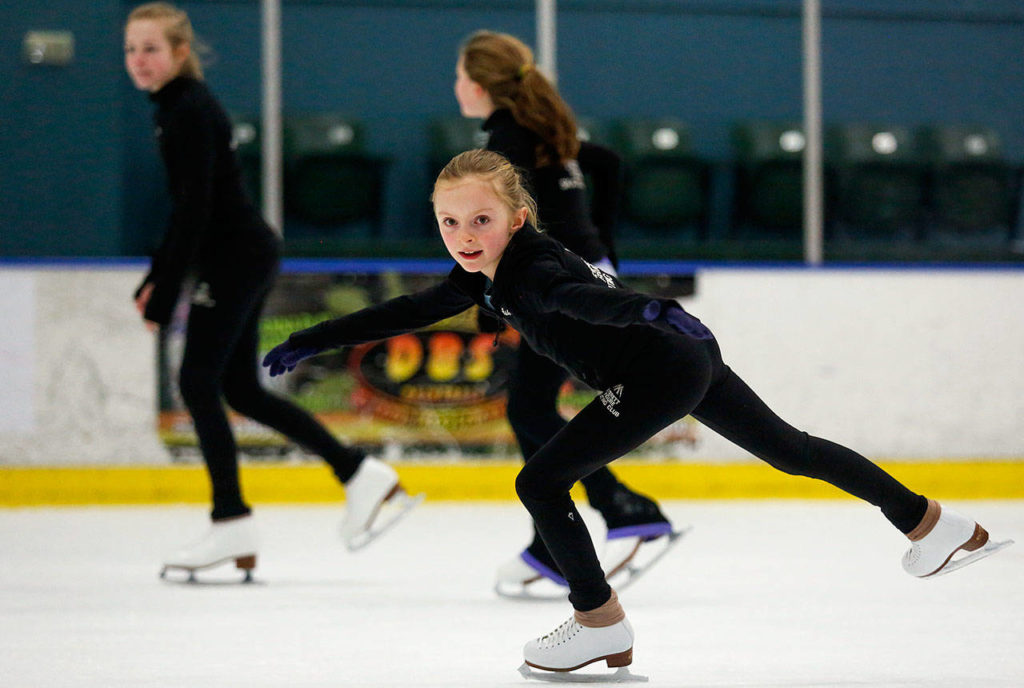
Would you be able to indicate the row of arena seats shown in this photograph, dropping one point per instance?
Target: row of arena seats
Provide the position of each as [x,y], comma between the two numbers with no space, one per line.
[881,181]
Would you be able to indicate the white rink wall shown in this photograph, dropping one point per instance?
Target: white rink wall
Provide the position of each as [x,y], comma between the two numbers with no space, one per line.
[896,363]
[91,364]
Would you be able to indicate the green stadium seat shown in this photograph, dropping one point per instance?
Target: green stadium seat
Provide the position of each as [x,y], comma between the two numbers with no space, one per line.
[449,136]
[972,192]
[667,186]
[768,193]
[878,181]
[329,177]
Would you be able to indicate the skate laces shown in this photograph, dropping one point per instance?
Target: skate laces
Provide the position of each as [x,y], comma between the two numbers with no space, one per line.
[569,628]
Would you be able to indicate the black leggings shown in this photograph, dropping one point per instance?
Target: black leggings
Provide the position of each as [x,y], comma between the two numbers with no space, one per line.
[533,414]
[681,376]
[220,364]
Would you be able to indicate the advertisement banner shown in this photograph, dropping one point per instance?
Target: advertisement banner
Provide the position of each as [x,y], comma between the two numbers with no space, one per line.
[439,392]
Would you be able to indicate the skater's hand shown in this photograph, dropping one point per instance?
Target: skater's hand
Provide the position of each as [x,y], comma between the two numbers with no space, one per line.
[678,319]
[285,356]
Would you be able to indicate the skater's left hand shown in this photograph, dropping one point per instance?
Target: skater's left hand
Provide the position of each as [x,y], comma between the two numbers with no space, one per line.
[285,356]
[678,319]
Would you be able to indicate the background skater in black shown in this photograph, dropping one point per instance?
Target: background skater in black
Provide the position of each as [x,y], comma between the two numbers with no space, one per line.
[216,238]
[528,122]
[654,362]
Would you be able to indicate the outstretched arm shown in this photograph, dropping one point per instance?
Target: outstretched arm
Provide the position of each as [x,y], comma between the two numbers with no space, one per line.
[391,318]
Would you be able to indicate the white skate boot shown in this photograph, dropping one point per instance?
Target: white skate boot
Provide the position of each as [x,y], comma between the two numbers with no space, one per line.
[227,540]
[572,646]
[375,501]
[940,535]
[586,637]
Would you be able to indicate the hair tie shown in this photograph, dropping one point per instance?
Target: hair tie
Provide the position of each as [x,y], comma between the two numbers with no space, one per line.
[523,70]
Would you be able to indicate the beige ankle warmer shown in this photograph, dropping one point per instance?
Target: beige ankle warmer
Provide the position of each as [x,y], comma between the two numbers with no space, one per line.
[608,614]
[928,521]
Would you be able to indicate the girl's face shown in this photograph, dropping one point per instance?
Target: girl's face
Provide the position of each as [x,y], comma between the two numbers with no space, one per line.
[475,224]
[474,101]
[148,56]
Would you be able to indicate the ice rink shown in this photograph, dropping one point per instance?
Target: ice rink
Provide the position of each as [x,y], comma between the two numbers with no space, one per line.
[765,593]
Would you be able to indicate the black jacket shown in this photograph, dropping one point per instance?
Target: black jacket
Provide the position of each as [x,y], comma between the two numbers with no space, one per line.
[566,309]
[560,190]
[214,231]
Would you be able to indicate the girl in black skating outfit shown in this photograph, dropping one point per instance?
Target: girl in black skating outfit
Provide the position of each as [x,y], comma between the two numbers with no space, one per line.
[217,239]
[528,122]
[654,363]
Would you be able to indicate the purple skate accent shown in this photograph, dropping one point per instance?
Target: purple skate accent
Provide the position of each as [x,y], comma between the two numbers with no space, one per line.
[647,531]
[543,570]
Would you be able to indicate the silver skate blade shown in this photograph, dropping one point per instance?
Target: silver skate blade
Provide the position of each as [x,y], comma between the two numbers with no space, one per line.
[175,575]
[643,557]
[987,550]
[388,515]
[620,675]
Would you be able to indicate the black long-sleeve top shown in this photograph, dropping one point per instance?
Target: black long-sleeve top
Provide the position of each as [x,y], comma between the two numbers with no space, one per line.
[213,231]
[560,190]
[568,310]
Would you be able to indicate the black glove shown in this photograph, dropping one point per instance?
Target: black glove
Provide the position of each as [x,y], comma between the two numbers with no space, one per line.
[285,356]
[677,318]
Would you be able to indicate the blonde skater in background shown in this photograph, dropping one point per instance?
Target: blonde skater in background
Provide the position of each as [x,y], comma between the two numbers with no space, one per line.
[216,240]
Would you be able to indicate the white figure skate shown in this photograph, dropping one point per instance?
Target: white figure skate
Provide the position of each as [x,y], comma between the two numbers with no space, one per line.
[228,540]
[573,646]
[942,533]
[630,552]
[375,501]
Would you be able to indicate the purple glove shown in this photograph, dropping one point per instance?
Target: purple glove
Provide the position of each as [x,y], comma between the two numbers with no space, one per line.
[678,319]
[285,356]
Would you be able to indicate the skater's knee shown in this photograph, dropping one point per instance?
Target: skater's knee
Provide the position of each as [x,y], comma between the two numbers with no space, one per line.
[793,454]
[532,486]
[198,386]
[244,398]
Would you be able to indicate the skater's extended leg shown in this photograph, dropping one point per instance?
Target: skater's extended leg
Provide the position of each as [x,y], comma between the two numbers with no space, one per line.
[734,411]
[244,393]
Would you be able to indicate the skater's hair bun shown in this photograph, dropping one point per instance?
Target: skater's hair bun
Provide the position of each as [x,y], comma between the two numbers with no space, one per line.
[503,66]
[495,169]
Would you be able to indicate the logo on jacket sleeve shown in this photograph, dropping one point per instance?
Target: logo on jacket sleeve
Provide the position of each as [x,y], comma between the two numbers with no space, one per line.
[611,398]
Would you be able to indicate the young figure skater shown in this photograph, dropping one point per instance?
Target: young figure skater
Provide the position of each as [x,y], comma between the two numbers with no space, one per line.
[528,122]
[217,238]
[654,362]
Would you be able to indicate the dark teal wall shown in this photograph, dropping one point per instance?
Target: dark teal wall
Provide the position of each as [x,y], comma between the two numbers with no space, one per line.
[60,133]
[81,176]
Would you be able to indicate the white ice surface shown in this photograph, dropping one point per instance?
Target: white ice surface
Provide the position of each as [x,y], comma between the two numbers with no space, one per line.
[759,594]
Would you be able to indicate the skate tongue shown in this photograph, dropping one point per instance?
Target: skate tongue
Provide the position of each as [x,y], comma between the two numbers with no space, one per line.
[620,675]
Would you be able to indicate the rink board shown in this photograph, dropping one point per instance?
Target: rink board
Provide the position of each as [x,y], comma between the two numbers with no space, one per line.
[482,481]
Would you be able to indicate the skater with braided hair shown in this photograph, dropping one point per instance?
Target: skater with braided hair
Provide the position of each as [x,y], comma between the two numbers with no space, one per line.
[216,238]
[529,123]
[653,362]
